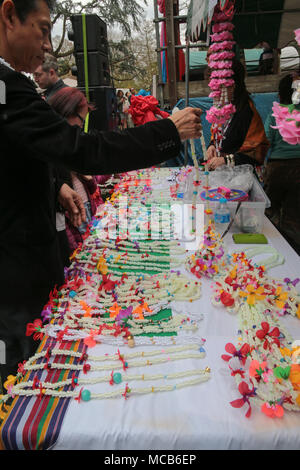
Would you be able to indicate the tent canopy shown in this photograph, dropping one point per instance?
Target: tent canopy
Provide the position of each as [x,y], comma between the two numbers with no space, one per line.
[272,21]
[289,59]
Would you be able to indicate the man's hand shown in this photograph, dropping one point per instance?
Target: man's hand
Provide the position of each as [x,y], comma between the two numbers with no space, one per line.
[188,123]
[72,202]
[211,152]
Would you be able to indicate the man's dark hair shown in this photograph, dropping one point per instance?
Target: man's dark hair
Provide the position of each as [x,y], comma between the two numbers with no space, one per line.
[24,7]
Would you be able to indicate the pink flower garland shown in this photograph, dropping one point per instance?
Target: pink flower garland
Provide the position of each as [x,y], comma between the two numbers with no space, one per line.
[224,36]
[220,64]
[226,15]
[222,73]
[220,115]
[216,84]
[219,27]
[221,46]
[222,56]
[220,61]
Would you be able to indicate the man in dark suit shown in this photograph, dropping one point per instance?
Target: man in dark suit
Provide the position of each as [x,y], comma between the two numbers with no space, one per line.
[33,139]
[46,76]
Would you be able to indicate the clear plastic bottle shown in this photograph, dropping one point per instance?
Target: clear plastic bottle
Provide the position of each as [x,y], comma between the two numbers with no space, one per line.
[222,216]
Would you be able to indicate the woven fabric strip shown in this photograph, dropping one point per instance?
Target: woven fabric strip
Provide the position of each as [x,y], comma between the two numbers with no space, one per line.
[32,423]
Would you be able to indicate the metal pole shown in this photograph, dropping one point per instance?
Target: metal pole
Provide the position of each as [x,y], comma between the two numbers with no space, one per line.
[172,75]
[160,84]
[187,91]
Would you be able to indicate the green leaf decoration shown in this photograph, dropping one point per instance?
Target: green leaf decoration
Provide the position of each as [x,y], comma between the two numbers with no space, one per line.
[282,372]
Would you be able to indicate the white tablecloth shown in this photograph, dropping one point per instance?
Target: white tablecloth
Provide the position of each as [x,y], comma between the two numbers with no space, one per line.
[195,418]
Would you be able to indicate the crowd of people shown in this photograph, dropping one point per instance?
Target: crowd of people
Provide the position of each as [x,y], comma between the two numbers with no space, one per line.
[56,167]
[123,105]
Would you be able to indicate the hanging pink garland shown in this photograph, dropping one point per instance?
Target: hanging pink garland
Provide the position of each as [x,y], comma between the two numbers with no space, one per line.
[220,61]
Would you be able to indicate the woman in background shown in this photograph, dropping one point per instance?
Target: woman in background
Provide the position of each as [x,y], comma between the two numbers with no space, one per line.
[244,137]
[72,105]
[282,174]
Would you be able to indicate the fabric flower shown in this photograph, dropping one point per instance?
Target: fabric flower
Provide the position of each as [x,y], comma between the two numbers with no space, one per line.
[10,381]
[280,297]
[221,46]
[267,375]
[107,285]
[285,352]
[246,394]
[124,315]
[241,353]
[294,376]
[114,310]
[46,313]
[226,299]
[222,73]
[265,332]
[252,294]
[21,367]
[102,266]
[226,26]
[256,369]
[35,328]
[225,55]
[272,411]
[222,36]
[89,340]
[298,311]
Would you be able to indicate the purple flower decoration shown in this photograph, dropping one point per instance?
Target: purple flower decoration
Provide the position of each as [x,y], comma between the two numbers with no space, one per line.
[124,314]
[294,282]
[46,314]
[137,246]
[221,253]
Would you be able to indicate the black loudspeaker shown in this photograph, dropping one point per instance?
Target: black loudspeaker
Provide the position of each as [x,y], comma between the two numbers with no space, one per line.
[96,34]
[97,51]
[98,69]
[105,116]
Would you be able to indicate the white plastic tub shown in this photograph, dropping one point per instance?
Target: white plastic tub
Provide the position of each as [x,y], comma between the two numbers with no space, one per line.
[250,215]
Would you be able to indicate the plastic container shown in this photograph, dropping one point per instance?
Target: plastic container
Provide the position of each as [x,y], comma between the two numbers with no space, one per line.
[222,216]
[250,216]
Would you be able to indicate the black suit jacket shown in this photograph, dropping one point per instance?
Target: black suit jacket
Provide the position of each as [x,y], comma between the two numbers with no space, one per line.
[32,139]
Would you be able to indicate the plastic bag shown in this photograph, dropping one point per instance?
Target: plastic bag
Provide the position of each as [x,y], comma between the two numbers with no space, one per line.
[237,177]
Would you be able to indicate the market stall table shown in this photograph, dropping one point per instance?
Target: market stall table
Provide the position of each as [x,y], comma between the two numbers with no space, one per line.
[195,418]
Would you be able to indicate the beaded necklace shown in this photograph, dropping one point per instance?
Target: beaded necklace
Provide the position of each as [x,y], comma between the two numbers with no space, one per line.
[38,387]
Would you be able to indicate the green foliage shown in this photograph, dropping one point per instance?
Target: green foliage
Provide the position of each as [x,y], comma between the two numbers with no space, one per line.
[131,39]
[126,14]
